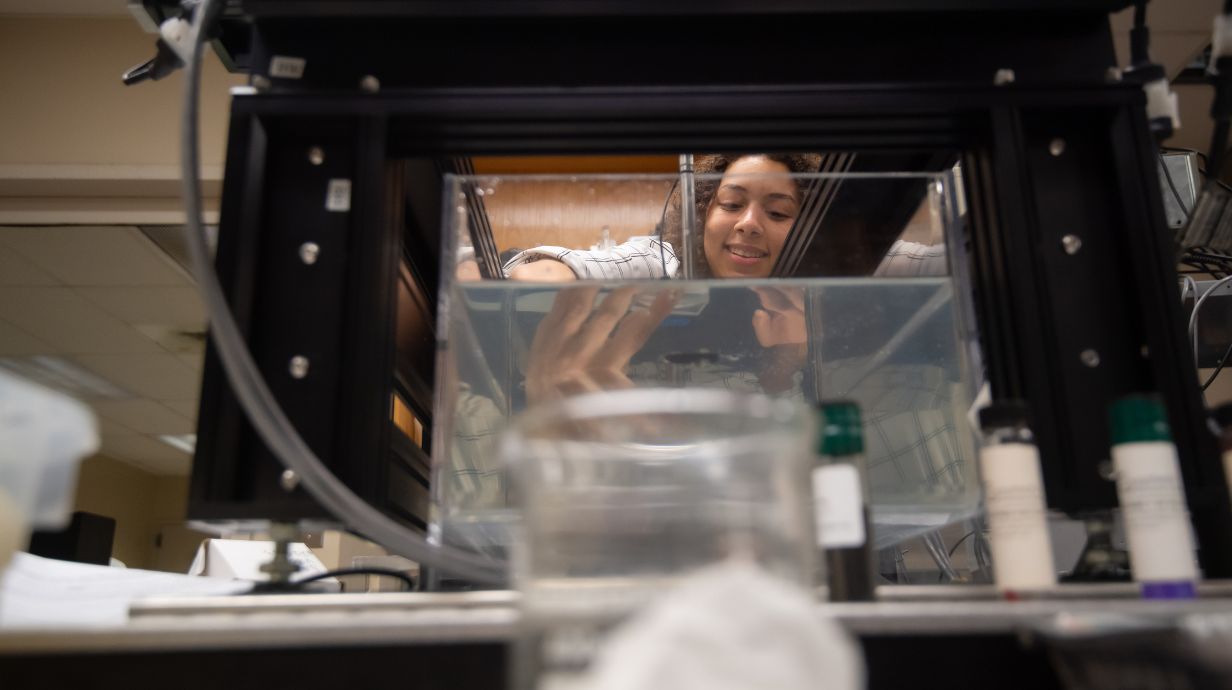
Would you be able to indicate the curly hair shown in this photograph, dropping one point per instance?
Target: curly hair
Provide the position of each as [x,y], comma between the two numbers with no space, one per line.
[709,168]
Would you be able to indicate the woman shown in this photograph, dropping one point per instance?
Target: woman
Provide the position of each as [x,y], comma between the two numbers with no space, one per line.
[746,216]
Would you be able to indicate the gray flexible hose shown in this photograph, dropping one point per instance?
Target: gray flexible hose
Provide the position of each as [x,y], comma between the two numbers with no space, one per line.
[263,410]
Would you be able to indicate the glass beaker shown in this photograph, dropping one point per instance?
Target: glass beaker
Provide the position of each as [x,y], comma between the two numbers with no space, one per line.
[620,493]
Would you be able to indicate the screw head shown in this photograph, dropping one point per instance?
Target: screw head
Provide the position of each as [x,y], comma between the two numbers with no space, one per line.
[1090,358]
[1056,147]
[298,367]
[316,155]
[289,480]
[1003,76]
[260,82]
[370,84]
[1072,244]
[309,252]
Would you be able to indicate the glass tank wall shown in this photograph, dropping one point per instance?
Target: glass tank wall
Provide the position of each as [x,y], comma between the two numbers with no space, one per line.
[804,286]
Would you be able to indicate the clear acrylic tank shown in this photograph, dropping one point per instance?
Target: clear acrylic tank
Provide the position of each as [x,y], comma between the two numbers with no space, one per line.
[862,300]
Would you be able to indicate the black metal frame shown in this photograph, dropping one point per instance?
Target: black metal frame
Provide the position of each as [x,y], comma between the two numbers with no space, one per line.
[1039,307]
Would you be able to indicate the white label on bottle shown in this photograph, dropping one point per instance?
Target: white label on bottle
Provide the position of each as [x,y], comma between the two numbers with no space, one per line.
[338,196]
[838,506]
[1157,527]
[1018,525]
[284,67]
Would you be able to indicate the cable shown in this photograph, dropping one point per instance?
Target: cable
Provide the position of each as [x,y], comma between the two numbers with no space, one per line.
[1172,185]
[959,542]
[343,572]
[263,410]
[663,223]
[1219,367]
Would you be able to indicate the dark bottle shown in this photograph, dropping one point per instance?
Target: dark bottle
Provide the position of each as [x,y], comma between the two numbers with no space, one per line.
[840,493]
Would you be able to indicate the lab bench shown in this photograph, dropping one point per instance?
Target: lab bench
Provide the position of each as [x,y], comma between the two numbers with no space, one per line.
[957,636]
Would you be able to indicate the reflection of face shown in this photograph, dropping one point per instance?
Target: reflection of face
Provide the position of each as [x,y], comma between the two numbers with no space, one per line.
[749,218]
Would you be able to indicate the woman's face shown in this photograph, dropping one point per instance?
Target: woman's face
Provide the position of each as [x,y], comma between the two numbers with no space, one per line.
[749,218]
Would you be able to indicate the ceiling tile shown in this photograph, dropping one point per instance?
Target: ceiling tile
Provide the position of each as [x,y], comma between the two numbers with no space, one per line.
[15,270]
[147,453]
[158,376]
[188,408]
[159,305]
[84,255]
[14,341]
[68,323]
[196,360]
[144,416]
[106,427]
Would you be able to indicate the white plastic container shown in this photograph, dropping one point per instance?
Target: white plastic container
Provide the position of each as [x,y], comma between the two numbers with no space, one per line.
[1014,498]
[43,436]
[1148,475]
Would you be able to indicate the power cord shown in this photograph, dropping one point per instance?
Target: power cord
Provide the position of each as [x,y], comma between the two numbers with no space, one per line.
[298,585]
[248,384]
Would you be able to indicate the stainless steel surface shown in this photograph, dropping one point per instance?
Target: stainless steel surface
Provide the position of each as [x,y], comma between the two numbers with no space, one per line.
[319,620]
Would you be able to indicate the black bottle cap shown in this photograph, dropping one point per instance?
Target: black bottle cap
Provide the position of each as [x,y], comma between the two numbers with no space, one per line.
[1004,414]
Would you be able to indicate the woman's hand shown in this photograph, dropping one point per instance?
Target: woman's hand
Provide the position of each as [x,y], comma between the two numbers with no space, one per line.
[781,320]
[582,347]
[781,328]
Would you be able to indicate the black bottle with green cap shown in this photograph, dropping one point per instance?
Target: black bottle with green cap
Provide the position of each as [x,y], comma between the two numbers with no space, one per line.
[841,495]
[1148,477]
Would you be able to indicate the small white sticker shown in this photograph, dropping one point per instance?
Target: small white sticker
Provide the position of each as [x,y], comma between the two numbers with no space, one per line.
[284,67]
[338,197]
[839,506]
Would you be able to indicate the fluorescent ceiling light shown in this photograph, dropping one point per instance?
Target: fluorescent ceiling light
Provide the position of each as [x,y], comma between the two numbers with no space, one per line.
[184,442]
[64,376]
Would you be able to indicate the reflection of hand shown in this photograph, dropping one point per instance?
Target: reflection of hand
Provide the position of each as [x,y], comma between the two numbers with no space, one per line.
[782,329]
[543,271]
[580,347]
[780,321]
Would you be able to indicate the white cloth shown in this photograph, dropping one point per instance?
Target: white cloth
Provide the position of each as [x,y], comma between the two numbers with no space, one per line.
[639,257]
[731,626]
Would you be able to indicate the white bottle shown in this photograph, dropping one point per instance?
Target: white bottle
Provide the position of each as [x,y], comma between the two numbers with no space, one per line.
[1014,500]
[1148,477]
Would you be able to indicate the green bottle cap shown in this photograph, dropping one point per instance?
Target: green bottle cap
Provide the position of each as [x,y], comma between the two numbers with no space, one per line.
[1138,418]
[841,430]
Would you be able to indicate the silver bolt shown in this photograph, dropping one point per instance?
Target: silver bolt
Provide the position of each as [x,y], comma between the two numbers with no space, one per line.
[1090,358]
[1003,76]
[1056,147]
[1072,244]
[308,252]
[289,480]
[370,84]
[299,366]
[260,83]
[1113,74]
[316,156]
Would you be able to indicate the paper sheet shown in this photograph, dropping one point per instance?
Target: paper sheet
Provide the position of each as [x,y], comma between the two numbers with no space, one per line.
[45,593]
